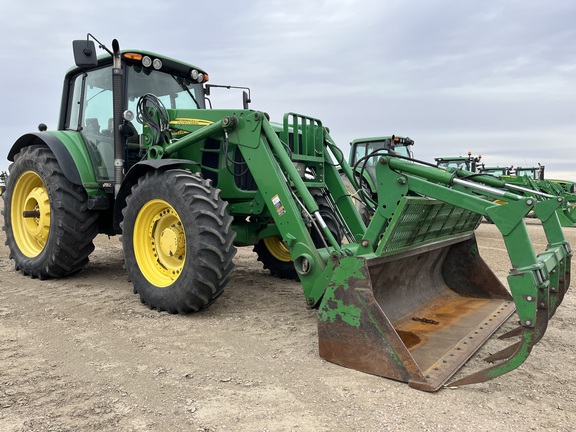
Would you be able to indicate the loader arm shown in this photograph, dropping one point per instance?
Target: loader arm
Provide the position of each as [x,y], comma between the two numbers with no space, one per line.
[407,297]
[285,192]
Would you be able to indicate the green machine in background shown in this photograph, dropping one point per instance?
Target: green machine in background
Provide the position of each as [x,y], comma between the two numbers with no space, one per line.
[537,186]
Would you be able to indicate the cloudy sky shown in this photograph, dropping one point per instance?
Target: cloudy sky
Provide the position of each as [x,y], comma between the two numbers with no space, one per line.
[494,77]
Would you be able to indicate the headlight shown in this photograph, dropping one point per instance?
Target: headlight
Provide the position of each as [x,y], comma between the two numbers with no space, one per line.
[157,63]
[128,115]
[146,61]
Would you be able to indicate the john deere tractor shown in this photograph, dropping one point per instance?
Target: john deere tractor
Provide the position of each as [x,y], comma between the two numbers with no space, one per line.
[468,163]
[139,151]
[364,190]
[531,180]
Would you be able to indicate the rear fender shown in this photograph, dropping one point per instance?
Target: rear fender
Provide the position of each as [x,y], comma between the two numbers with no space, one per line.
[70,152]
[137,171]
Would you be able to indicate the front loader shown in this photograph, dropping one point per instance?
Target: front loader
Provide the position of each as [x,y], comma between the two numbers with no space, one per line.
[138,153]
[531,182]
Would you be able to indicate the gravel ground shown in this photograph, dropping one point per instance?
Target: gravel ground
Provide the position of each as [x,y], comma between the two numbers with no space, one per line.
[83,354]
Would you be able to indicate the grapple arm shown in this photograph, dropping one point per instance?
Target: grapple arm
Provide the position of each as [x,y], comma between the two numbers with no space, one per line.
[421,263]
[537,283]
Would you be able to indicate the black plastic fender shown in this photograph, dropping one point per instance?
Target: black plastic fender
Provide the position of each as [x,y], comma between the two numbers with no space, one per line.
[132,176]
[60,151]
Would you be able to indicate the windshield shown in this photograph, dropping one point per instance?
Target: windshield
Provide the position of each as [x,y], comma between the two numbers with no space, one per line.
[532,173]
[364,149]
[175,92]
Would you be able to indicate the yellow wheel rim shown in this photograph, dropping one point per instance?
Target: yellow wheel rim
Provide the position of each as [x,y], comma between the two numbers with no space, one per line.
[159,243]
[278,249]
[30,214]
[353,195]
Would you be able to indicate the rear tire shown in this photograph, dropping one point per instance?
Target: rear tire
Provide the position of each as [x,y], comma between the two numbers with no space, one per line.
[49,229]
[178,243]
[361,208]
[275,256]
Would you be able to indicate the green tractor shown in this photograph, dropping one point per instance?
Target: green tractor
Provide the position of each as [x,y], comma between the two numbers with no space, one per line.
[537,186]
[364,190]
[468,163]
[3,176]
[139,151]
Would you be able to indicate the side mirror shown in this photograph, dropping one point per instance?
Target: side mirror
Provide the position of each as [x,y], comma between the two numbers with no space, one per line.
[84,53]
[245,100]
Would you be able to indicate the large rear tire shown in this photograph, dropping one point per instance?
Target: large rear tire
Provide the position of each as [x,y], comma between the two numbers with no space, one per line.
[274,254]
[49,228]
[362,208]
[178,243]
[275,257]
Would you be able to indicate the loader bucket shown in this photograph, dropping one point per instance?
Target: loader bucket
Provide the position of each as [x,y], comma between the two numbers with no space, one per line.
[422,301]
[415,318]
[421,309]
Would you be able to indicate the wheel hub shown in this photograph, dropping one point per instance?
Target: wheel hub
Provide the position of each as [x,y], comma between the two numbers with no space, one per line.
[172,240]
[278,249]
[37,204]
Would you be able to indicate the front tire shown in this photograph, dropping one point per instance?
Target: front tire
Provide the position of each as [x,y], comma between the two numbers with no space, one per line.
[49,228]
[178,241]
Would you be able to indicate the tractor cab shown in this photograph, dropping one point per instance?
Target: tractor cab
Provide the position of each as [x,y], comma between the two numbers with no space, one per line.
[533,173]
[469,163]
[497,170]
[362,147]
[365,152]
[89,100]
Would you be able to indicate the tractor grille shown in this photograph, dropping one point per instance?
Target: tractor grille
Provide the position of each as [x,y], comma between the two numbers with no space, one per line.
[242,175]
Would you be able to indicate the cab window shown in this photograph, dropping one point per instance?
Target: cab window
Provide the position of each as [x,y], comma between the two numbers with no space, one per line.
[90,113]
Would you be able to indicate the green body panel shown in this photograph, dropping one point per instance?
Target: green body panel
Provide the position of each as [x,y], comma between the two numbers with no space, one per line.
[76,146]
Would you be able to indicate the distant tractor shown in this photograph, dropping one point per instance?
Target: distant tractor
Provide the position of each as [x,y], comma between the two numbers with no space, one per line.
[363,158]
[3,176]
[468,163]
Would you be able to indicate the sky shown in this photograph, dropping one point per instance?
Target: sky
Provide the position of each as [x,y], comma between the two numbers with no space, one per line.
[493,77]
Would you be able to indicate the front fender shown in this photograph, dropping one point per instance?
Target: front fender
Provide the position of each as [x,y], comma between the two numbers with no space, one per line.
[132,176]
[70,152]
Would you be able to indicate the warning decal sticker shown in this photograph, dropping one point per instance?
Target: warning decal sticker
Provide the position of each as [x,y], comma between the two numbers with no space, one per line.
[278,204]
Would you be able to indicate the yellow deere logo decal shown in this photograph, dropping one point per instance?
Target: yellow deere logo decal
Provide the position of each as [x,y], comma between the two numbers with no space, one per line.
[191,121]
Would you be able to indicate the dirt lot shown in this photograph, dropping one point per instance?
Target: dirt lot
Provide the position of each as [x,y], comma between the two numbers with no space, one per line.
[82,354]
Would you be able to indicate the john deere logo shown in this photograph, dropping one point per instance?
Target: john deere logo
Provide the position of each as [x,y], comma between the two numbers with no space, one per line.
[191,121]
